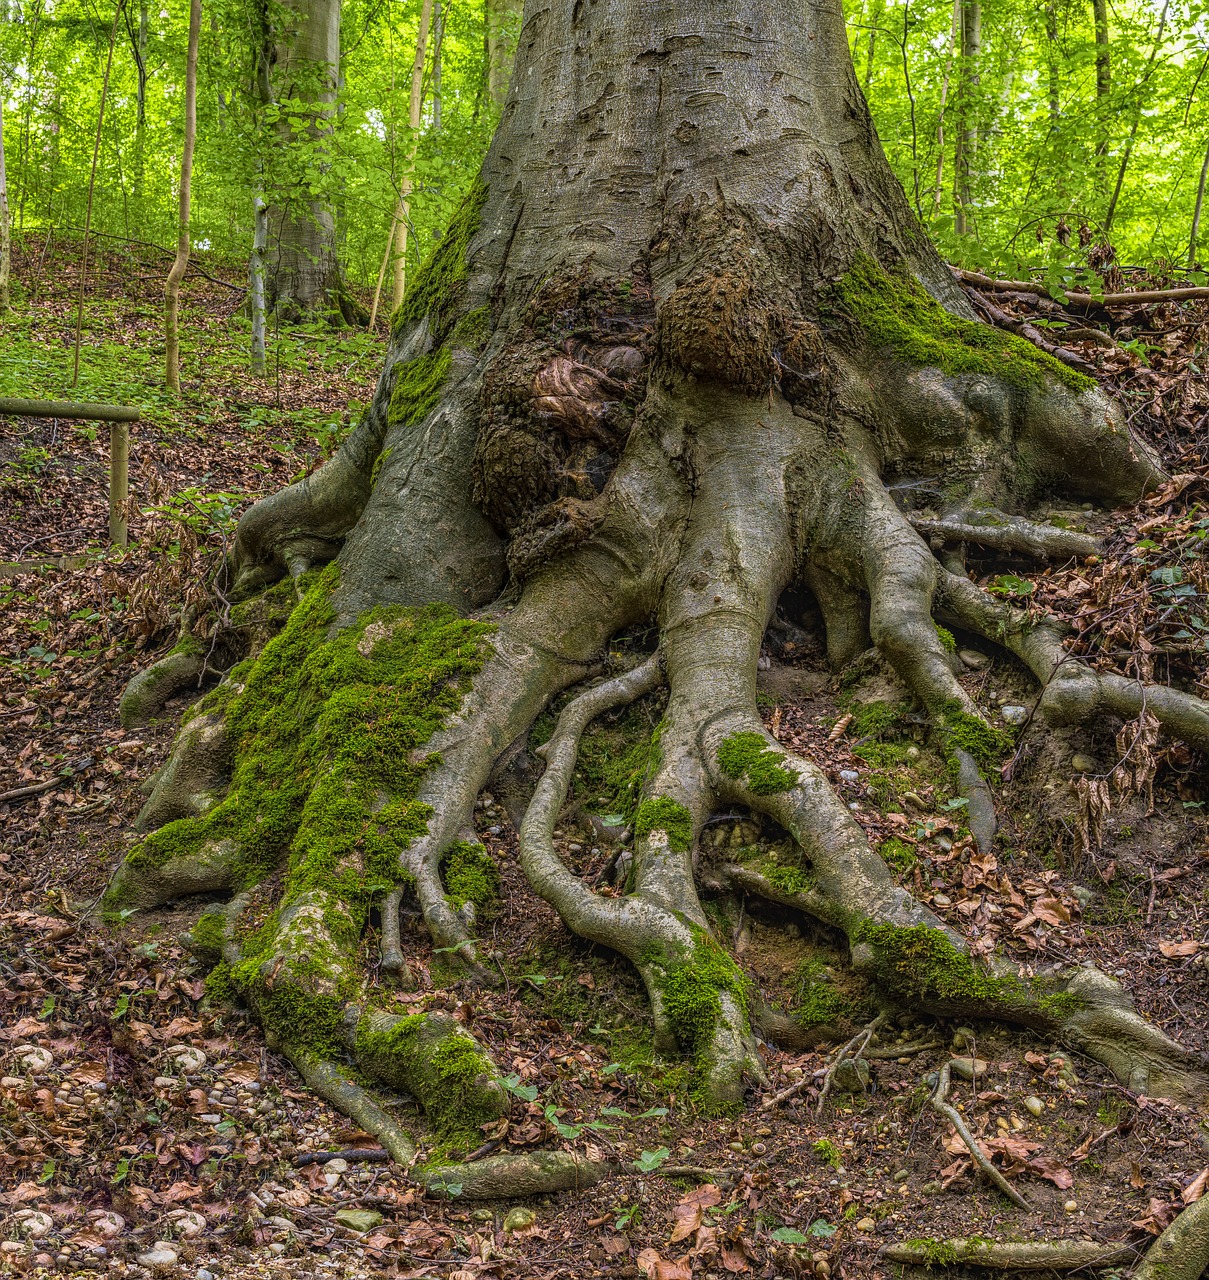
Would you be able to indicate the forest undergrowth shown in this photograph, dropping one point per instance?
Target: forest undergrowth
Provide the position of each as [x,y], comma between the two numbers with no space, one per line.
[149,1130]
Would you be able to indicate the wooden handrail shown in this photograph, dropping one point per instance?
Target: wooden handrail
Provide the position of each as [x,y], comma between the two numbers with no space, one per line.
[69,409]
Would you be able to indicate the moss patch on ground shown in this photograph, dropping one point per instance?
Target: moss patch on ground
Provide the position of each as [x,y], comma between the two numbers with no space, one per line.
[895,314]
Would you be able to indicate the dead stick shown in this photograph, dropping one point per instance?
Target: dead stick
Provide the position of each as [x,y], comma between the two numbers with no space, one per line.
[1083,299]
[940,1103]
[853,1048]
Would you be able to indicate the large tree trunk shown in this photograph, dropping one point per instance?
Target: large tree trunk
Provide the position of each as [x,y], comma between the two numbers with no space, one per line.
[677,341]
[301,64]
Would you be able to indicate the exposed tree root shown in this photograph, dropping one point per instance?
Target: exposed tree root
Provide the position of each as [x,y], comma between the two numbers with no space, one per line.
[940,1103]
[528,1173]
[1010,1255]
[999,532]
[1182,1251]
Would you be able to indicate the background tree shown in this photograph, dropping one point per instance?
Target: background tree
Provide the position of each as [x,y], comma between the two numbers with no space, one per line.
[672,353]
[172,287]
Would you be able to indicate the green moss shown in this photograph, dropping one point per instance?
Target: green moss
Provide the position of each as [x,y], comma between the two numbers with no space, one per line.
[1061,1005]
[828,1152]
[613,761]
[898,855]
[418,387]
[748,755]
[473,330]
[327,731]
[435,290]
[209,934]
[472,876]
[895,314]
[789,880]
[921,962]
[936,1253]
[692,992]
[661,814]
[876,719]
[948,643]
[883,755]
[220,986]
[818,1002]
[972,734]
[444,1069]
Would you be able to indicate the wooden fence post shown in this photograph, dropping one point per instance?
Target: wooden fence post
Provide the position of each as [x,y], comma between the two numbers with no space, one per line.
[119,481]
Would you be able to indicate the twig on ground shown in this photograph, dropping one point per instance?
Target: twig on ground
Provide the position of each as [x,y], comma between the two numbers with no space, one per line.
[941,1104]
[852,1049]
[363,1155]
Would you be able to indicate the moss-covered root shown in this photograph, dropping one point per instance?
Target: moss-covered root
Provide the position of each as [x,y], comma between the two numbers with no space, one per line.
[195,777]
[927,966]
[1009,1255]
[329,1082]
[504,1177]
[1182,1251]
[145,694]
[435,1059]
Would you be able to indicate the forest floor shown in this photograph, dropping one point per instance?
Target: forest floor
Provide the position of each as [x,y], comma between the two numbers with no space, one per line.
[147,1131]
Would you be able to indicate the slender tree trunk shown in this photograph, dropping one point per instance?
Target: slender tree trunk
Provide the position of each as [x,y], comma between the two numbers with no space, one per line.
[138,43]
[415,106]
[172,288]
[300,62]
[875,19]
[260,239]
[954,35]
[438,39]
[6,233]
[1051,60]
[967,138]
[502,24]
[1193,235]
[1103,70]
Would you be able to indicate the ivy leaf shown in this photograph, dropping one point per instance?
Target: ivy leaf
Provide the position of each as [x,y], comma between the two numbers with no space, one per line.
[789,1235]
[526,1092]
[649,1161]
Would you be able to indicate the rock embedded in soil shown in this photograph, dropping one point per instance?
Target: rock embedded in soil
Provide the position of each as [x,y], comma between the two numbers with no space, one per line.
[973,659]
[159,1257]
[519,1219]
[968,1068]
[1013,713]
[1034,1106]
[1081,763]
[361,1220]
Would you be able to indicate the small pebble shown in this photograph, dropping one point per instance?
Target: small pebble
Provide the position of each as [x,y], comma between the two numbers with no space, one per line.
[1081,763]
[931,1188]
[849,775]
[1034,1106]
[942,900]
[866,1224]
[211,1117]
[1070,1206]
[1014,714]
[161,1254]
[336,1166]
[912,752]
[973,659]
[902,1175]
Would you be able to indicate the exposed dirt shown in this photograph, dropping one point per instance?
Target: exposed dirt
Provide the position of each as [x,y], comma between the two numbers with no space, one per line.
[203,1152]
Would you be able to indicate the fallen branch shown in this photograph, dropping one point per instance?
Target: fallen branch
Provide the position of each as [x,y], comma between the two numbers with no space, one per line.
[354,1155]
[895,1051]
[1010,1255]
[1187,294]
[36,788]
[75,409]
[941,1104]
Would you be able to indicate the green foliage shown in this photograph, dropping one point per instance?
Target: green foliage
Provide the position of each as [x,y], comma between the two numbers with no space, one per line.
[895,314]
[748,756]
[948,643]
[613,760]
[828,1152]
[662,814]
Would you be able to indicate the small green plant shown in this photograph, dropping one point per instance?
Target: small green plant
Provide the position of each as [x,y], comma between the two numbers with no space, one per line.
[828,1152]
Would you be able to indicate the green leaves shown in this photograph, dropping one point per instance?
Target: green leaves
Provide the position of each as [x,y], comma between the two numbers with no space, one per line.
[649,1161]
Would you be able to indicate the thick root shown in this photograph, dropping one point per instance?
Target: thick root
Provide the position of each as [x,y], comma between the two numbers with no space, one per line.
[1010,1255]
[516,1175]
[1182,1251]
[1008,533]
[146,693]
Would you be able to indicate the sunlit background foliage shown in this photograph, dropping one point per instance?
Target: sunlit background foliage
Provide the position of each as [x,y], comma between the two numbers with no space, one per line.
[1047,121]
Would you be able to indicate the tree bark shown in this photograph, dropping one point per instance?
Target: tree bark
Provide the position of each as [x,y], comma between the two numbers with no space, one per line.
[967,137]
[172,287]
[298,73]
[1193,234]
[1103,69]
